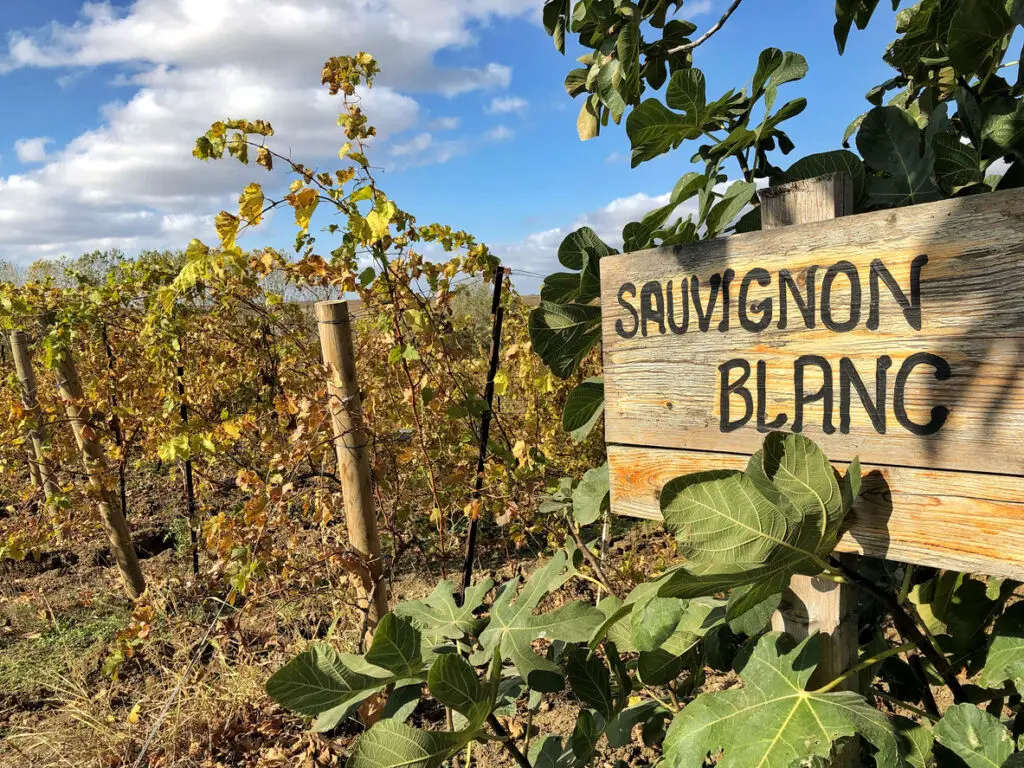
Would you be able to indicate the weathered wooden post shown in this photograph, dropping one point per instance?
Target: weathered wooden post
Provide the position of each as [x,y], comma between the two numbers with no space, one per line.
[70,388]
[41,472]
[812,604]
[352,449]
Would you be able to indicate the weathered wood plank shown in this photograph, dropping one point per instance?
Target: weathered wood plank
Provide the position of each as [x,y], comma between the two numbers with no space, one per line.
[663,389]
[961,521]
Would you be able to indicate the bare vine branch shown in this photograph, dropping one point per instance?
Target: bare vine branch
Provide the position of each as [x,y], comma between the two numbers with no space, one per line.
[703,38]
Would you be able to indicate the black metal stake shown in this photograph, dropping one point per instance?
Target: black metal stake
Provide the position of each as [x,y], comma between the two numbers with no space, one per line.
[497,314]
[190,495]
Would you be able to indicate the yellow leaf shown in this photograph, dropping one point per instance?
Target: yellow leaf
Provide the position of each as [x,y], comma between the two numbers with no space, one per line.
[227,228]
[500,383]
[250,204]
[133,716]
[344,150]
[379,219]
[304,202]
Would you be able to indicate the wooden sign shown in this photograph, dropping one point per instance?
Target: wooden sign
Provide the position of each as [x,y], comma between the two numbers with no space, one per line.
[896,336]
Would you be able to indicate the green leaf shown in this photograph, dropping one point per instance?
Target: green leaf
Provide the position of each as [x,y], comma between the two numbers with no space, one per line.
[774,68]
[954,605]
[957,165]
[654,129]
[576,82]
[915,742]
[396,647]
[583,250]
[627,47]
[822,163]
[453,682]
[779,517]
[890,141]
[975,31]
[562,335]
[849,12]
[654,621]
[977,738]
[620,729]
[583,408]
[1005,658]
[1003,126]
[789,724]
[591,498]
[513,625]
[590,680]
[438,616]
[321,681]
[608,81]
[687,93]
[585,735]
[560,288]
[392,744]
[736,197]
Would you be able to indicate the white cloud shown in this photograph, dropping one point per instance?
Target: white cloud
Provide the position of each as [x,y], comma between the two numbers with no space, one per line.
[131,181]
[414,146]
[32,150]
[444,124]
[501,105]
[698,7]
[500,133]
[615,157]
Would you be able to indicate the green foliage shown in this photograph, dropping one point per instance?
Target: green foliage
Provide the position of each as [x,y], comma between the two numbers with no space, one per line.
[640,662]
[792,723]
[977,738]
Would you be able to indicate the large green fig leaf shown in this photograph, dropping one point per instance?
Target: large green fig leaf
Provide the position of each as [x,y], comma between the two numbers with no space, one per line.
[563,334]
[889,140]
[977,738]
[513,626]
[774,721]
[916,741]
[439,617]
[318,683]
[590,680]
[974,32]
[583,408]
[1005,658]
[779,517]
[391,744]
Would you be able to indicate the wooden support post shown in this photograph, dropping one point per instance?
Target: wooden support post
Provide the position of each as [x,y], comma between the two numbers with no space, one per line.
[41,471]
[810,604]
[98,472]
[350,444]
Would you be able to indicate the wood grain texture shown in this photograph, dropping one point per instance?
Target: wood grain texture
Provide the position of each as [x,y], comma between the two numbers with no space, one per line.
[809,200]
[663,390]
[961,521]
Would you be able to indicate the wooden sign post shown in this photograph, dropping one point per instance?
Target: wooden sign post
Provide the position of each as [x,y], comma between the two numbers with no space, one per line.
[896,336]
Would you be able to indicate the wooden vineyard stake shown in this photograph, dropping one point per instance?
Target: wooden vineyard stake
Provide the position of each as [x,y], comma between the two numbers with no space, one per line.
[812,604]
[98,471]
[40,466]
[352,449]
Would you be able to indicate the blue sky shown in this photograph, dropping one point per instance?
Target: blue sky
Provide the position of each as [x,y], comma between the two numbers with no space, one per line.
[103,101]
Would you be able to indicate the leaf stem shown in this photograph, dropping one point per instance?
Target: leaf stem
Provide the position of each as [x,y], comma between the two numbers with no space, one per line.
[908,628]
[900,703]
[868,662]
[506,739]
